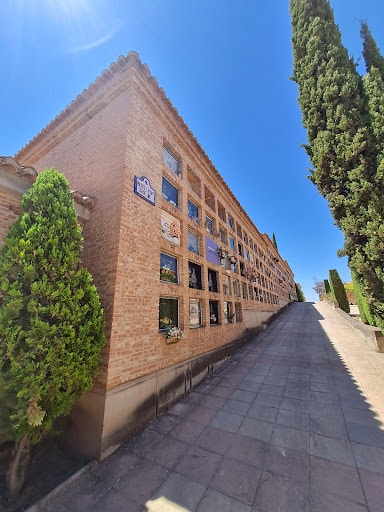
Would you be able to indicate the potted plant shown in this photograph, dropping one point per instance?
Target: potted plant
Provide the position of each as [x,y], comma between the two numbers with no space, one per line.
[167,274]
[174,334]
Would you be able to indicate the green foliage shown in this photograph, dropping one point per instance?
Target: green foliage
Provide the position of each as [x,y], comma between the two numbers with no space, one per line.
[361,301]
[51,321]
[299,293]
[338,291]
[274,241]
[343,115]
[371,52]
[327,287]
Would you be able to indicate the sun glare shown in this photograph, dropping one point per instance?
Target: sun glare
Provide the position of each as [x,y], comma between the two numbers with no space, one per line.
[81,24]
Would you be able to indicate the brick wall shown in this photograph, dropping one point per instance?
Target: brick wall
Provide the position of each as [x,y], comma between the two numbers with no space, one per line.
[114,131]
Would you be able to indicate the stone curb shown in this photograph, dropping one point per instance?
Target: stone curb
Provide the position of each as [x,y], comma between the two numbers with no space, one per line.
[39,506]
[371,335]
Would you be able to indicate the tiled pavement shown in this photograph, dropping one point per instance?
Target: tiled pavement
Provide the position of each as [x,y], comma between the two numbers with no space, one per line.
[290,423]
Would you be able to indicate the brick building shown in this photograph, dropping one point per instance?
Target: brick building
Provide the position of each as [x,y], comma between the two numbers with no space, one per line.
[166,242]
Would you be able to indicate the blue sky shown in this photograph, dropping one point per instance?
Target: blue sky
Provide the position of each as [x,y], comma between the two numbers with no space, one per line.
[225,66]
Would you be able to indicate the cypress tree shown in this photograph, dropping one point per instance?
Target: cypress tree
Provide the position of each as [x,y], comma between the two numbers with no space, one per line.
[361,301]
[51,322]
[327,288]
[274,241]
[341,140]
[338,291]
[371,52]
[331,105]
[370,273]
[299,293]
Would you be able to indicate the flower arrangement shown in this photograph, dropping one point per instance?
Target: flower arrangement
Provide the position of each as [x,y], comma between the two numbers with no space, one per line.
[232,258]
[221,252]
[167,274]
[174,334]
[165,322]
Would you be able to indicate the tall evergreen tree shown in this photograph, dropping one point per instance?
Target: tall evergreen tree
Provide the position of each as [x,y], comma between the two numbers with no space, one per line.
[338,292]
[369,267]
[341,141]
[51,321]
[299,293]
[274,241]
[331,104]
[371,52]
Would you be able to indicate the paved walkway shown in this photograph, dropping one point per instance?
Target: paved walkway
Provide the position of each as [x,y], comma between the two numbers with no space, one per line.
[293,422]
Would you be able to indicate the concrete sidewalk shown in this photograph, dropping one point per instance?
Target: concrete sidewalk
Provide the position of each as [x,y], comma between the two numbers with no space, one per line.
[293,422]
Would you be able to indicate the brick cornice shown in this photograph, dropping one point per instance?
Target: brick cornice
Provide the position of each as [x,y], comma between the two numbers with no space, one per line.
[17,179]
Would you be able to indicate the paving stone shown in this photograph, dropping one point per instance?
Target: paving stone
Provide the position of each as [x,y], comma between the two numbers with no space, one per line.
[116,502]
[248,450]
[363,416]
[328,427]
[337,450]
[275,380]
[270,400]
[298,378]
[175,495]
[256,429]
[294,392]
[221,391]
[322,501]
[271,389]
[291,464]
[277,493]
[323,387]
[164,423]
[236,407]
[199,464]
[237,480]
[250,385]
[324,397]
[335,478]
[181,408]
[289,437]
[373,485]
[262,412]
[203,414]
[227,421]
[215,440]
[187,431]
[168,452]
[369,457]
[360,433]
[293,404]
[326,410]
[216,501]
[213,402]
[140,489]
[79,496]
[116,466]
[243,395]
[143,442]
[293,419]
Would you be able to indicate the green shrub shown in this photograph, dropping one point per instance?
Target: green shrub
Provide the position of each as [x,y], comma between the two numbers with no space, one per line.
[338,291]
[51,321]
[362,304]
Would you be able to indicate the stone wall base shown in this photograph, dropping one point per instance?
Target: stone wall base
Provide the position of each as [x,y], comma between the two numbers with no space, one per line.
[101,422]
